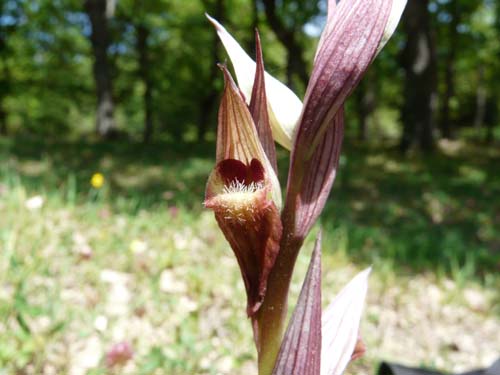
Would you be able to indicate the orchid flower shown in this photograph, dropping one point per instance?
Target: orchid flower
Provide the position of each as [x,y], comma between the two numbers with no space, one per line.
[244,193]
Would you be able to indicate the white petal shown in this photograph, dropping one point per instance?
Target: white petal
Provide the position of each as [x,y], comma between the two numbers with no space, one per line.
[340,325]
[398,6]
[283,105]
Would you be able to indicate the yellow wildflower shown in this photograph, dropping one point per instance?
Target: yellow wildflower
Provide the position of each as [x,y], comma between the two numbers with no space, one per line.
[97,180]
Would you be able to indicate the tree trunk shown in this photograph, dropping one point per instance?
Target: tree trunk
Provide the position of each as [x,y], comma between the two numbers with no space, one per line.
[208,101]
[366,98]
[5,78]
[144,65]
[419,62]
[481,100]
[3,94]
[446,123]
[98,12]
[491,117]
[489,137]
[3,120]
[296,64]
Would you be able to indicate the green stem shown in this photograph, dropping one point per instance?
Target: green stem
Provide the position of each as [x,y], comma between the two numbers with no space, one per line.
[271,317]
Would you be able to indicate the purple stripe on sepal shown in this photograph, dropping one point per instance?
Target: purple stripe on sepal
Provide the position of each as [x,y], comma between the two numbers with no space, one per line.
[310,181]
[300,352]
[258,107]
[349,44]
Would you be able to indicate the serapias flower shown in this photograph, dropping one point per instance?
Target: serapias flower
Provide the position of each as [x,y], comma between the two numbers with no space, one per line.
[243,191]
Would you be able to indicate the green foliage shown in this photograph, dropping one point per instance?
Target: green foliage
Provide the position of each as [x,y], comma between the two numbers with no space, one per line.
[46,59]
[46,63]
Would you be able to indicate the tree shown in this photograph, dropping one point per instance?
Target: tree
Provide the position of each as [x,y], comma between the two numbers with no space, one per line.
[455,36]
[5,78]
[419,62]
[287,19]
[137,23]
[207,101]
[449,72]
[99,12]
[366,101]
[143,33]
[11,13]
[44,66]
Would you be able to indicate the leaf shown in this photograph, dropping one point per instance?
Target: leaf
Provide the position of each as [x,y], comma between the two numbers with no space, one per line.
[300,352]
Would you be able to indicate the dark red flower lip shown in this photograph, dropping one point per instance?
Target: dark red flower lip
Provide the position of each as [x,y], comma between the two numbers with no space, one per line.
[239,196]
[240,152]
[232,170]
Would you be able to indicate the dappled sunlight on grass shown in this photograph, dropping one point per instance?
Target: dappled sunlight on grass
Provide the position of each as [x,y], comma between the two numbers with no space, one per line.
[421,213]
[137,261]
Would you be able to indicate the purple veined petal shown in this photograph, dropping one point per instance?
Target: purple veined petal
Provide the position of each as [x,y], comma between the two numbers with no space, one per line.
[340,325]
[397,9]
[310,180]
[300,352]
[283,105]
[349,44]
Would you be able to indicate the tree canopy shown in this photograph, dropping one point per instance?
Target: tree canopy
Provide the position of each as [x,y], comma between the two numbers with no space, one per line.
[155,64]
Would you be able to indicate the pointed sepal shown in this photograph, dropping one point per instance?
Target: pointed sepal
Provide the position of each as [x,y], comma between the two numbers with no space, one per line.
[300,352]
[311,178]
[348,45]
[258,107]
[237,136]
[340,326]
[352,36]
[284,106]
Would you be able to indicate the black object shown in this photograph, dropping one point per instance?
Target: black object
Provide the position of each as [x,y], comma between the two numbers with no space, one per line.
[387,368]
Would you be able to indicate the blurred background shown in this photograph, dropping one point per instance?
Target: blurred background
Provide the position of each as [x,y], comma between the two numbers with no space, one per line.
[108,261]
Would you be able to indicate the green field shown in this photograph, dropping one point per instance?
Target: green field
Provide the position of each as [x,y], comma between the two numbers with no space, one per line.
[139,260]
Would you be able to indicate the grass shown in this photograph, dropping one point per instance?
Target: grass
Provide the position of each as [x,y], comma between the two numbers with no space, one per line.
[141,261]
[438,213]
